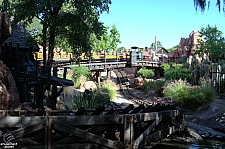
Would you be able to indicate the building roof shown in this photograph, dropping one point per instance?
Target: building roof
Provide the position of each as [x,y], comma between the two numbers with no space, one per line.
[22,37]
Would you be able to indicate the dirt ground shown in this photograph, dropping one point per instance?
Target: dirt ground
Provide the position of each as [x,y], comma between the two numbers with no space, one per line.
[211,115]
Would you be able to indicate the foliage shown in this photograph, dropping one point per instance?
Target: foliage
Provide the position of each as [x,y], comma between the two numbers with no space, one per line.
[178,73]
[92,101]
[202,4]
[213,43]
[71,21]
[114,37]
[147,86]
[158,43]
[105,39]
[145,73]
[157,86]
[79,75]
[172,49]
[189,97]
[166,66]
[110,88]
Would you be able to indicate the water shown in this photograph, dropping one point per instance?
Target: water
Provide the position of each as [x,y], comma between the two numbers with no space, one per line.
[206,144]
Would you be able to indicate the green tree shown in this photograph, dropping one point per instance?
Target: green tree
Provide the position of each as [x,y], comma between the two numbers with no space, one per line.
[114,37]
[159,45]
[173,48]
[105,39]
[203,3]
[212,44]
[74,20]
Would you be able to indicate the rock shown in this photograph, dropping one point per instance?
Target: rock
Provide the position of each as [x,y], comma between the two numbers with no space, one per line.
[138,82]
[90,85]
[9,97]
[5,28]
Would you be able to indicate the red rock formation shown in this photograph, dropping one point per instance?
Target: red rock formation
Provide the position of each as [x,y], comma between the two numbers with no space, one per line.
[9,98]
[187,46]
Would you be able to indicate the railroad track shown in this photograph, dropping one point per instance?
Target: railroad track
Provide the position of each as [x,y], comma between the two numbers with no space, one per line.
[129,94]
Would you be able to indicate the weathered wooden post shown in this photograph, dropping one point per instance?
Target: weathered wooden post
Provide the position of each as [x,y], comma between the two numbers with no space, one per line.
[54,89]
[128,131]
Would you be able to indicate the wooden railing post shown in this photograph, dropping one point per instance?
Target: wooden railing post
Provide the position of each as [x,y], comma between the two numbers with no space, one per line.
[128,131]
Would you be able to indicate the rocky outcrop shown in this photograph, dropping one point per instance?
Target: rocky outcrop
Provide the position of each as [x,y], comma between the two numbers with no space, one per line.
[187,46]
[5,28]
[9,98]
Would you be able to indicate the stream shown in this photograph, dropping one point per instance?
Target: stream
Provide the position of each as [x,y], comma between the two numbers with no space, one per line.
[205,144]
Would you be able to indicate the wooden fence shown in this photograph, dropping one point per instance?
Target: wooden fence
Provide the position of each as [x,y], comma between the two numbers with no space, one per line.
[69,129]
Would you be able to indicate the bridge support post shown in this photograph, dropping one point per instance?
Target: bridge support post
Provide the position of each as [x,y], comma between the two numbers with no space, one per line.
[54,90]
[108,74]
[128,131]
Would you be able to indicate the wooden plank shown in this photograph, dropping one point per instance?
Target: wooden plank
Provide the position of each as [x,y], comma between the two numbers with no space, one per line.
[171,113]
[89,120]
[156,136]
[27,142]
[79,146]
[27,130]
[87,135]
[147,131]
[20,121]
[142,117]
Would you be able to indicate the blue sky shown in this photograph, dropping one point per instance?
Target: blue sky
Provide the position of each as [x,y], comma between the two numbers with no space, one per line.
[139,21]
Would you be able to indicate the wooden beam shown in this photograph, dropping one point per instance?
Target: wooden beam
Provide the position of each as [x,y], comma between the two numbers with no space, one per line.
[87,135]
[128,131]
[89,120]
[19,121]
[79,146]
[143,117]
[147,131]
[27,130]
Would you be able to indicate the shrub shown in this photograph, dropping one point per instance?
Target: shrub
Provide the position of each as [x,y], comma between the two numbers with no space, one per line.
[147,86]
[166,66]
[178,73]
[189,97]
[79,75]
[91,101]
[157,86]
[145,73]
[110,88]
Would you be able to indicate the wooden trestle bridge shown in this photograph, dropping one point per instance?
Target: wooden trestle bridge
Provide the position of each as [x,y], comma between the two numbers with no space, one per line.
[132,127]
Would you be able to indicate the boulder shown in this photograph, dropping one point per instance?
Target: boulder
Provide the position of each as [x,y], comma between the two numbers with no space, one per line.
[89,85]
[138,82]
[9,97]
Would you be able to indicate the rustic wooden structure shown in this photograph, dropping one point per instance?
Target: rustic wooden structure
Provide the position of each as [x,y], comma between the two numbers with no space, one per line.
[128,128]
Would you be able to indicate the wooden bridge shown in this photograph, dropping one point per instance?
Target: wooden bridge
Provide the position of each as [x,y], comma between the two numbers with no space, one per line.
[128,128]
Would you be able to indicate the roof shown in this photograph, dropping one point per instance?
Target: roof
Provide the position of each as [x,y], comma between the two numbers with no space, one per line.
[22,37]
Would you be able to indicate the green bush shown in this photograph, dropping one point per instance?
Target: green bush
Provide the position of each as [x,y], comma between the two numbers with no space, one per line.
[110,88]
[79,75]
[178,73]
[91,101]
[166,66]
[189,97]
[157,86]
[145,73]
